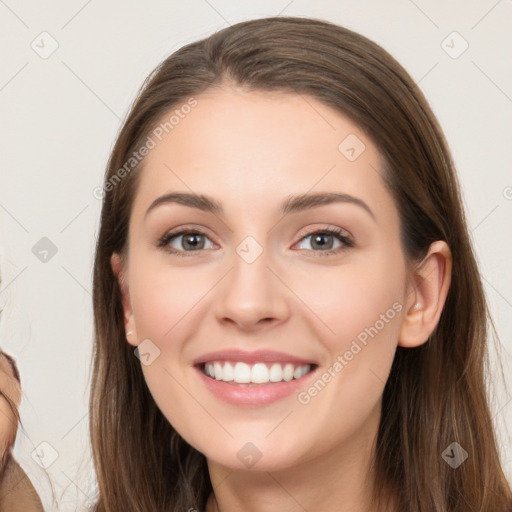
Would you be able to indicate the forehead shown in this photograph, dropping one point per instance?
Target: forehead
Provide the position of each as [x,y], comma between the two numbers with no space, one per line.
[245,147]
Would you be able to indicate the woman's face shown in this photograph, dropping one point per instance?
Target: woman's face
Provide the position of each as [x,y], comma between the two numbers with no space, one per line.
[260,289]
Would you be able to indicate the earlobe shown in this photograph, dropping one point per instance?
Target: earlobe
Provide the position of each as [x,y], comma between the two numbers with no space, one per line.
[131,338]
[117,265]
[430,283]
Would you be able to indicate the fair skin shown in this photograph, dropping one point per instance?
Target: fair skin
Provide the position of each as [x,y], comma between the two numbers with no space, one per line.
[250,151]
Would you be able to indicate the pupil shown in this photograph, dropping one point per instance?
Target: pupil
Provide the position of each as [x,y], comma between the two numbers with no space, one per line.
[191,240]
[318,238]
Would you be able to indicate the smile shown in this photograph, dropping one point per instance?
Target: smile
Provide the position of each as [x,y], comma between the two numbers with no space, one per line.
[258,373]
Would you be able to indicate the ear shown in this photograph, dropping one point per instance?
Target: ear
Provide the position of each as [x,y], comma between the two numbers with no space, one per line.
[429,285]
[118,268]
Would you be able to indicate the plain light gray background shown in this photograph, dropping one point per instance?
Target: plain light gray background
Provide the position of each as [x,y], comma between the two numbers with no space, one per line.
[59,119]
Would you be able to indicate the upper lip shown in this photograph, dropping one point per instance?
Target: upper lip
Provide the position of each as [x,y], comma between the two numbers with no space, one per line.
[257,356]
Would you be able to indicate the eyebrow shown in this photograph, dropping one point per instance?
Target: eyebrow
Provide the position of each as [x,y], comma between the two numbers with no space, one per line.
[291,204]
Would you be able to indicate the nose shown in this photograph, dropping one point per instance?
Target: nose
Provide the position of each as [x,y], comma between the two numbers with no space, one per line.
[252,296]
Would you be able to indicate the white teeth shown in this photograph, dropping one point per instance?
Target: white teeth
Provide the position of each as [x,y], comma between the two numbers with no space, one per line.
[276,373]
[288,372]
[217,371]
[259,373]
[242,373]
[228,372]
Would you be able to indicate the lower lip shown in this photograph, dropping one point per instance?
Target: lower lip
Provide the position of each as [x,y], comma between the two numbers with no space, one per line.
[252,394]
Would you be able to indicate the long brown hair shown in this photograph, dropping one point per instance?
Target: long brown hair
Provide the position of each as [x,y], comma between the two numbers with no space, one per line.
[436,393]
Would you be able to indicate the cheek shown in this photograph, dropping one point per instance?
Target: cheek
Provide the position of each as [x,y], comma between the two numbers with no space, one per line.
[168,305]
[354,301]
[366,311]
[164,304]
[163,300]
[360,311]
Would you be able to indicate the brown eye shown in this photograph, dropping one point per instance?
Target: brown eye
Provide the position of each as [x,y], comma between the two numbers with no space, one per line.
[184,241]
[324,241]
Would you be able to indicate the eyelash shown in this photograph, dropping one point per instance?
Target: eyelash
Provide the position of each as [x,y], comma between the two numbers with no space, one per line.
[163,242]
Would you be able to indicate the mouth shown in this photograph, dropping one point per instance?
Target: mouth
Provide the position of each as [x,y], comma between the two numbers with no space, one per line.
[255,374]
[250,385]
[253,379]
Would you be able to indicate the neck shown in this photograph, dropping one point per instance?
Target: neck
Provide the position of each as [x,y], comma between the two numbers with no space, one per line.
[338,480]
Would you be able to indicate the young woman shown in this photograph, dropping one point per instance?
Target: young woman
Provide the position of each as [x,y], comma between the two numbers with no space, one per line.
[288,312]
